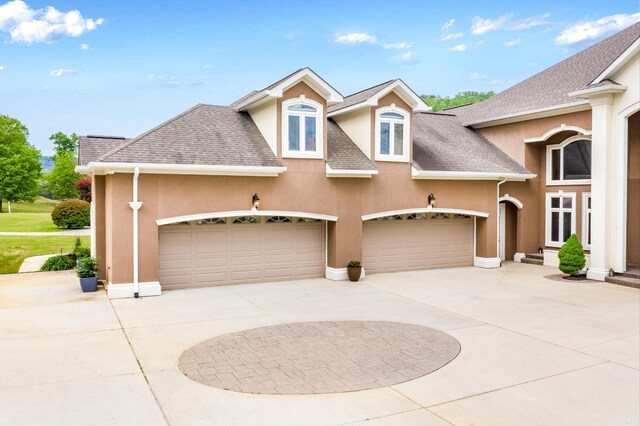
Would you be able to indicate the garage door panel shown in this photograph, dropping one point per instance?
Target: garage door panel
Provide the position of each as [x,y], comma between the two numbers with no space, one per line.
[216,254]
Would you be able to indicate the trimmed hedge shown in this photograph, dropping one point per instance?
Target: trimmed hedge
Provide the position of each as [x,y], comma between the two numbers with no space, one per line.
[571,256]
[71,214]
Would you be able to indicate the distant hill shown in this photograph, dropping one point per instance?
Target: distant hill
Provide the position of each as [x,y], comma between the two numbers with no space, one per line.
[47,164]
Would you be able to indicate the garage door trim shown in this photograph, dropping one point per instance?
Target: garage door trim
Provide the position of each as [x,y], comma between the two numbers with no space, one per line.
[424,210]
[238,213]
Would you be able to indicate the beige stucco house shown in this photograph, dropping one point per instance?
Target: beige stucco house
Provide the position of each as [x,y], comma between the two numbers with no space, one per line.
[374,176]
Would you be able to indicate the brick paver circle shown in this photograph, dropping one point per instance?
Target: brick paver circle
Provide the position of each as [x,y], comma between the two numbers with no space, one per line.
[318,357]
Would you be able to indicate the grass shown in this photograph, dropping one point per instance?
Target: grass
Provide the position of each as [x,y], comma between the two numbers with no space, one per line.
[41,205]
[27,222]
[13,250]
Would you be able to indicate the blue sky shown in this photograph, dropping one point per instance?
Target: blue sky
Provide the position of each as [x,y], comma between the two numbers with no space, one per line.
[122,67]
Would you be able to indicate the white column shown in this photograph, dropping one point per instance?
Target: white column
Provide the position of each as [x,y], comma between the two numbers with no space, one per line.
[603,165]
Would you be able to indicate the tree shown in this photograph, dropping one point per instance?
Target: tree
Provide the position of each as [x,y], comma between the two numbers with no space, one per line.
[84,188]
[571,256]
[20,166]
[63,176]
[438,103]
[64,143]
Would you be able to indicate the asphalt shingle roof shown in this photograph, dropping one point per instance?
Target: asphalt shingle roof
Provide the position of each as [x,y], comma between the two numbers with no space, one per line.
[90,148]
[550,87]
[441,143]
[204,135]
[358,97]
[343,153]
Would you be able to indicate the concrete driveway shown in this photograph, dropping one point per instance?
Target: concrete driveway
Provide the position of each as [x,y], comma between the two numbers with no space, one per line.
[534,351]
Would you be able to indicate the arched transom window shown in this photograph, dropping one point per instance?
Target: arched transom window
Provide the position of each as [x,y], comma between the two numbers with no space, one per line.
[392,134]
[569,162]
[302,135]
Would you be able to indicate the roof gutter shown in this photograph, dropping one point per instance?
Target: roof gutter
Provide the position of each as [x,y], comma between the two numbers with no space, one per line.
[344,173]
[103,168]
[600,90]
[446,175]
[580,105]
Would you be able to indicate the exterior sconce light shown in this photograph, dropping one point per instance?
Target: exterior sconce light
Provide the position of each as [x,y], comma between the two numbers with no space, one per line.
[540,250]
[255,201]
[431,200]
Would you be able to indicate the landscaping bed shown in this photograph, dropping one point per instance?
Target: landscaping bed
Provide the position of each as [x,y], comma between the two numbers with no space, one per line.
[13,250]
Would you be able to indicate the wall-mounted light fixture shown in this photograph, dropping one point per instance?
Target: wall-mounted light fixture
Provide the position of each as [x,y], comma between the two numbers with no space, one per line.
[431,200]
[255,201]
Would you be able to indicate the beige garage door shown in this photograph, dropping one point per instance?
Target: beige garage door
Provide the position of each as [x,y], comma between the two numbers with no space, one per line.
[240,250]
[417,241]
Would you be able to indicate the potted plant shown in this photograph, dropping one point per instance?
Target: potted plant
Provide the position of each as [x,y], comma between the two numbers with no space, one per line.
[87,271]
[354,270]
[572,259]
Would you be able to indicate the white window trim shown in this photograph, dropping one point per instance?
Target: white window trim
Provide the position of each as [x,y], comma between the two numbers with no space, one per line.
[547,231]
[586,211]
[319,152]
[561,146]
[404,158]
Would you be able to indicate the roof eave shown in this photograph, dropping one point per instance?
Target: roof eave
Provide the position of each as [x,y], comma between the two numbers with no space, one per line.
[580,105]
[620,62]
[601,90]
[104,168]
[346,173]
[449,175]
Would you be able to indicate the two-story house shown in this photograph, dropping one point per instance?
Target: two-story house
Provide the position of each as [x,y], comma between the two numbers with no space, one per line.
[295,180]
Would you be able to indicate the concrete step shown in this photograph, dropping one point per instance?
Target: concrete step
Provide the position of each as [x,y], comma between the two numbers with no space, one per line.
[531,261]
[630,274]
[535,256]
[622,280]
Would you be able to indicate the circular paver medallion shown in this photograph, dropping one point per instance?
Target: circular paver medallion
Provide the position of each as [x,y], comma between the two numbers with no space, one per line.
[318,357]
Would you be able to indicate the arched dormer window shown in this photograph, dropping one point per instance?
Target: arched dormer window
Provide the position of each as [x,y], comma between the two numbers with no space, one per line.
[392,134]
[569,163]
[302,131]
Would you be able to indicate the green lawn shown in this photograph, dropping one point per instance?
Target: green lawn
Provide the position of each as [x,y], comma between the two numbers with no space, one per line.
[13,250]
[41,205]
[27,222]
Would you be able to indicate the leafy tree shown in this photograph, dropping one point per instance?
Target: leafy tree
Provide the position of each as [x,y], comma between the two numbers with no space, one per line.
[20,166]
[438,103]
[84,188]
[571,256]
[63,176]
[64,143]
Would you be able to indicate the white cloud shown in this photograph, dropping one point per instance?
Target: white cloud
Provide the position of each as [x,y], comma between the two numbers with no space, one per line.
[482,26]
[84,46]
[356,38]
[154,77]
[26,25]
[513,43]
[477,76]
[596,30]
[401,45]
[530,22]
[1,67]
[407,56]
[61,72]
[459,48]
[207,66]
[445,37]
[447,25]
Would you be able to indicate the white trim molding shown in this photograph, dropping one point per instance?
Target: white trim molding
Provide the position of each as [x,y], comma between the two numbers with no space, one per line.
[619,62]
[100,168]
[599,90]
[118,291]
[405,122]
[486,262]
[560,210]
[561,146]
[512,200]
[343,173]
[339,274]
[424,210]
[581,105]
[240,213]
[447,175]
[563,128]
[586,220]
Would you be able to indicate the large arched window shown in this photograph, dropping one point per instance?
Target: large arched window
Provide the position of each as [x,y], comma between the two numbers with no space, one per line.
[392,134]
[569,163]
[302,132]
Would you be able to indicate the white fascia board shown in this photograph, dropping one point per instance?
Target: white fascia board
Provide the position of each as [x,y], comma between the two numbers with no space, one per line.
[607,88]
[436,175]
[351,108]
[424,210]
[83,170]
[310,78]
[254,101]
[185,169]
[581,105]
[405,93]
[341,173]
[239,213]
[620,62]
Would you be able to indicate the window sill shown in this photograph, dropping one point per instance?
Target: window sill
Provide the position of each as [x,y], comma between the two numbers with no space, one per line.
[304,155]
[569,183]
[392,159]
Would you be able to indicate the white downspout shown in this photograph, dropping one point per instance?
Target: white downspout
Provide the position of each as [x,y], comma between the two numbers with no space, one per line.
[498,219]
[135,206]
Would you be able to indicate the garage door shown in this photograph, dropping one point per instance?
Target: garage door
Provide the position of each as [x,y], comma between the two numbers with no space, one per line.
[417,241]
[240,250]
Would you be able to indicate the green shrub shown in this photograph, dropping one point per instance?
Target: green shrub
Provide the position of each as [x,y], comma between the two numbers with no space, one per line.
[571,256]
[80,252]
[61,262]
[353,264]
[72,214]
[87,267]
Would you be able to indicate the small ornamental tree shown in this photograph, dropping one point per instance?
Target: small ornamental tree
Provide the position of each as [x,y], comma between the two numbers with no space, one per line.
[72,214]
[571,256]
[83,186]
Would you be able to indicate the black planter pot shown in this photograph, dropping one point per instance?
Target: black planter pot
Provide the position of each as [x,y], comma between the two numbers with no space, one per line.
[354,273]
[89,284]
